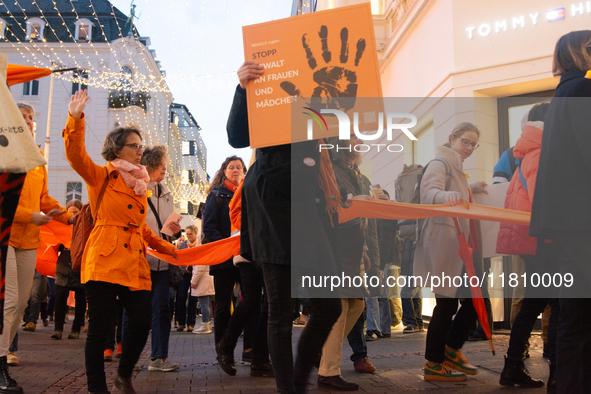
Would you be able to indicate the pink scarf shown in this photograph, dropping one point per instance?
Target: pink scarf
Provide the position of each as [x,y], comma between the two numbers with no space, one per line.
[135,177]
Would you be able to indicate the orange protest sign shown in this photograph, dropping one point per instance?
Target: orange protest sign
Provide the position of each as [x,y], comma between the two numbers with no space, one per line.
[323,59]
[396,210]
[209,254]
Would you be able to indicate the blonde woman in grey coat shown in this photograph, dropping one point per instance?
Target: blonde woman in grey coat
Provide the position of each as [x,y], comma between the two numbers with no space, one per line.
[444,181]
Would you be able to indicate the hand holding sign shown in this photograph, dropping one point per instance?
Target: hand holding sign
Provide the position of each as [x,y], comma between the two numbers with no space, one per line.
[333,81]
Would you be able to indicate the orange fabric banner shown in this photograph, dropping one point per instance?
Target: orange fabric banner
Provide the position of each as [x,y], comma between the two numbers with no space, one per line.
[55,233]
[209,254]
[19,74]
[395,210]
[46,259]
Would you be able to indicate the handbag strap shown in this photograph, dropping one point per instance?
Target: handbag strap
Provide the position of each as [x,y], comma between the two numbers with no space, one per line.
[101,194]
[153,208]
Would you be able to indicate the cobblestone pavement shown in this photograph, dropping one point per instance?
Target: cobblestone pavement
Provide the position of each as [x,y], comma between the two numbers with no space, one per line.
[50,366]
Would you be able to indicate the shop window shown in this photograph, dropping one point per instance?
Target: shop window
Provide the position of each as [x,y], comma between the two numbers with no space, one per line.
[31,88]
[79,81]
[73,191]
[35,29]
[423,149]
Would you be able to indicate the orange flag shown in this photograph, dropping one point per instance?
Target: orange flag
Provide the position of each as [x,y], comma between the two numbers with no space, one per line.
[19,74]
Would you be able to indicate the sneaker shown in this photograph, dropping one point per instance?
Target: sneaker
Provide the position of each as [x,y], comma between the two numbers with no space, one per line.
[364,366]
[108,355]
[30,327]
[410,329]
[190,328]
[11,359]
[443,372]
[459,362]
[371,336]
[180,328]
[74,335]
[57,334]
[118,351]
[205,328]
[162,365]
[299,322]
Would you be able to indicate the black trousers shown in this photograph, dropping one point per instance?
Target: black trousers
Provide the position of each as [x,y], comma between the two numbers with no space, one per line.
[223,282]
[249,309]
[445,331]
[325,313]
[101,298]
[61,307]
[573,345]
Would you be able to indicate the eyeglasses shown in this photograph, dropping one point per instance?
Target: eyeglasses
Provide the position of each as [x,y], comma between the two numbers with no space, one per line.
[467,143]
[136,146]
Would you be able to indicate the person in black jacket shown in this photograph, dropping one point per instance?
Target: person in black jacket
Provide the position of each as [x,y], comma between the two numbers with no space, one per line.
[217,226]
[561,210]
[273,211]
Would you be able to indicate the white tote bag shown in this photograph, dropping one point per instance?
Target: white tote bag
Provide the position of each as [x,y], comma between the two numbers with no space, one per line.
[18,151]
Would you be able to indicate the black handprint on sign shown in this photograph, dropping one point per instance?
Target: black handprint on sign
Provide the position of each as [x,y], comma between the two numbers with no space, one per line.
[334,82]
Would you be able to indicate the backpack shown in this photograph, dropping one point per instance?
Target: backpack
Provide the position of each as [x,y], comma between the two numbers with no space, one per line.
[408,190]
[83,226]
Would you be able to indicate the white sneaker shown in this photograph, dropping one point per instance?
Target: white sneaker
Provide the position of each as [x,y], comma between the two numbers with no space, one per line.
[161,365]
[11,359]
[205,328]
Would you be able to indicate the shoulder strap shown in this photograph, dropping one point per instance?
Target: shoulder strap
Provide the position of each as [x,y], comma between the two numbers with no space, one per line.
[101,194]
[522,178]
[448,174]
[153,208]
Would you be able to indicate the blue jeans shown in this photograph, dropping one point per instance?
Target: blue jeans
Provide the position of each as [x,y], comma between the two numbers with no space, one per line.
[356,340]
[378,315]
[205,304]
[412,306]
[160,314]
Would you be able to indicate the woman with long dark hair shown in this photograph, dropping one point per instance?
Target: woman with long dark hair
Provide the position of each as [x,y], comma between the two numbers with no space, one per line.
[216,225]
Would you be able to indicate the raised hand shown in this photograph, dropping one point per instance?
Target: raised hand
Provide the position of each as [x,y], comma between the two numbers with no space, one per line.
[77,104]
[334,82]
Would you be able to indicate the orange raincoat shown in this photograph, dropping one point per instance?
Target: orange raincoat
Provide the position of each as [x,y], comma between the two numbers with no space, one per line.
[116,249]
[34,198]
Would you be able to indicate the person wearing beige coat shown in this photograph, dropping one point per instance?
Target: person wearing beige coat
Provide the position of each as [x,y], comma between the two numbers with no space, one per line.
[444,181]
[202,287]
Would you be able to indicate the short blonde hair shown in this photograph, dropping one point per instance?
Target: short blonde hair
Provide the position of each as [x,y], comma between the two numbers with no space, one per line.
[572,52]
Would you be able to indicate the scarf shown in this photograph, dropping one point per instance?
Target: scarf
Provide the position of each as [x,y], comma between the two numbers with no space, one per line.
[135,177]
[328,184]
[231,187]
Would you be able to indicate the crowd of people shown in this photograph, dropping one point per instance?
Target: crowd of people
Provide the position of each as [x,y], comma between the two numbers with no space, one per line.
[287,203]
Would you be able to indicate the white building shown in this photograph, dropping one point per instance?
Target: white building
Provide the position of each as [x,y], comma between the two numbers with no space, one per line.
[124,81]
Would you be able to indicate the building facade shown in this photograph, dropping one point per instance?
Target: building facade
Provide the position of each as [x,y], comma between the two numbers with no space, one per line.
[112,62]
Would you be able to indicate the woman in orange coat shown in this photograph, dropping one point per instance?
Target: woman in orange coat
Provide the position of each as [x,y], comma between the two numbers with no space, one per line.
[114,261]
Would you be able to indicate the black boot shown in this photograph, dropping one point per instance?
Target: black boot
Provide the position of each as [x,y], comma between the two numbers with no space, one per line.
[552,380]
[515,373]
[7,384]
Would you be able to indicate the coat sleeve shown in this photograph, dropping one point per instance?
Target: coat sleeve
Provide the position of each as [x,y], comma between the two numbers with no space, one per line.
[237,126]
[48,203]
[73,134]
[154,241]
[433,184]
[211,224]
